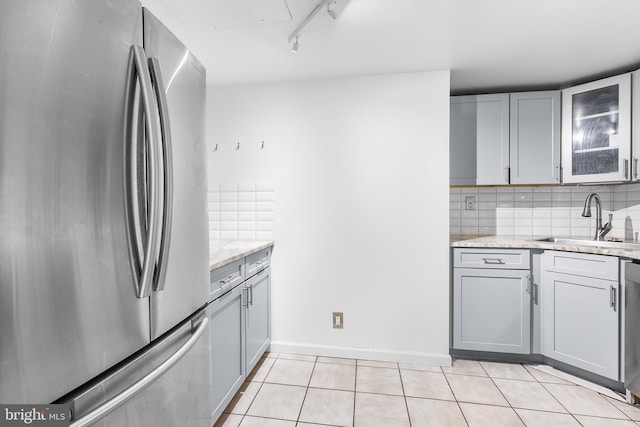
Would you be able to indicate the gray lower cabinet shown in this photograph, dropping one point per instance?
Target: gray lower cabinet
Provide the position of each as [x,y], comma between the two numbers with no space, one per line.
[580,311]
[258,317]
[240,323]
[492,301]
[227,325]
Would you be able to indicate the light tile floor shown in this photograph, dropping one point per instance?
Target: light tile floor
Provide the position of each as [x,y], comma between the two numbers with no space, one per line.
[288,390]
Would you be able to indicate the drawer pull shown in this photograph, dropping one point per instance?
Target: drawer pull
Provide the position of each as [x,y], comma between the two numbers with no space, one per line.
[230,279]
[493,260]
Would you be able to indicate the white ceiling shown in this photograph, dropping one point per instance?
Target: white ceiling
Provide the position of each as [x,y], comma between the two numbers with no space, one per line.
[488,45]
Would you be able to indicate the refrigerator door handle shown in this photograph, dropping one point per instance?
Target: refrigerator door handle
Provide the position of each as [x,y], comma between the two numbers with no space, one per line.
[167,166]
[143,383]
[142,255]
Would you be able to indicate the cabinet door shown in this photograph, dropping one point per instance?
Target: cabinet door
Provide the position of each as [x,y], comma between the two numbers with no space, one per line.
[596,131]
[227,347]
[492,139]
[534,156]
[462,140]
[492,310]
[580,322]
[258,317]
[635,125]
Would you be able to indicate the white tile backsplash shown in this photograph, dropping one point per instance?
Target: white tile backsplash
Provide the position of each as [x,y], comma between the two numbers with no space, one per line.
[242,211]
[542,211]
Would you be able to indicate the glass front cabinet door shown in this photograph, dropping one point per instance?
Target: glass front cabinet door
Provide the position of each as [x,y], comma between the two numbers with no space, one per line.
[596,131]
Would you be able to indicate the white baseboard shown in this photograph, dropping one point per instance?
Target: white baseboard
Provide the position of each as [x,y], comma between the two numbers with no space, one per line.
[434,359]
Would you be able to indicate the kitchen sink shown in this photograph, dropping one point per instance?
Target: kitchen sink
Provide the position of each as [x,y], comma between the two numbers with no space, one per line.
[613,244]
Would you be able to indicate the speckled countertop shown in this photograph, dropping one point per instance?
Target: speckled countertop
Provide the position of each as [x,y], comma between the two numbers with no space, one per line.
[529,242]
[222,252]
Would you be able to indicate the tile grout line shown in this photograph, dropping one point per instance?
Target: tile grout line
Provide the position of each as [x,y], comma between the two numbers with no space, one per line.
[559,403]
[454,395]
[306,390]
[260,387]
[355,392]
[502,394]
[404,395]
[585,415]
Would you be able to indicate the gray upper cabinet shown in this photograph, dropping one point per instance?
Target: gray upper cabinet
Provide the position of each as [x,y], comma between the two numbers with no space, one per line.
[596,131]
[501,139]
[462,140]
[479,140]
[635,124]
[535,138]
[492,139]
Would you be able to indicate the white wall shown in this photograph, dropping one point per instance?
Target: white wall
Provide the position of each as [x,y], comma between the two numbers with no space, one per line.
[360,171]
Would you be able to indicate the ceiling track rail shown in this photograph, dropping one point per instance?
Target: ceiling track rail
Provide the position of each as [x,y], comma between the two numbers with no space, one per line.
[313,13]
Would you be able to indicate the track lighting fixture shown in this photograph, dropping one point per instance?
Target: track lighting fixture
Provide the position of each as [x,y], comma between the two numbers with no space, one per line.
[319,6]
[296,45]
[332,13]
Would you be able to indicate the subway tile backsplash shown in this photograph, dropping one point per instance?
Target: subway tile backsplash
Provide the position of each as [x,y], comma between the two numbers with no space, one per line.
[241,211]
[543,211]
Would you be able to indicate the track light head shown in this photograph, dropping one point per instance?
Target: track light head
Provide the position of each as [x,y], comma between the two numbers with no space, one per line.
[295,46]
[332,13]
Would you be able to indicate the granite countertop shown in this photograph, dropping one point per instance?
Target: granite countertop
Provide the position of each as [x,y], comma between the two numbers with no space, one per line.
[529,242]
[222,252]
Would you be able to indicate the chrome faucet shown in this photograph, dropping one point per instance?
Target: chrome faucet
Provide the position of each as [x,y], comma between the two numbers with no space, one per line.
[601,230]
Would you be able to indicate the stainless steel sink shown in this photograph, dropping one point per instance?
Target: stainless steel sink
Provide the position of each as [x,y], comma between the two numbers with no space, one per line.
[613,244]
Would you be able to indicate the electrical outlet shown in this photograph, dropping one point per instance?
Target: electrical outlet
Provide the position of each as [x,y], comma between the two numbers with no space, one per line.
[470,203]
[338,322]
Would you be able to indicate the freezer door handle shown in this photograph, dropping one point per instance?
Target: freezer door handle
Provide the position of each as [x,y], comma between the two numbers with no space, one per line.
[167,167]
[143,383]
[142,254]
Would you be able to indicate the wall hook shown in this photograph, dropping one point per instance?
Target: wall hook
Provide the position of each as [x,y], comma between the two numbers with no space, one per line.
[262,146]
[215,148]
[238,146]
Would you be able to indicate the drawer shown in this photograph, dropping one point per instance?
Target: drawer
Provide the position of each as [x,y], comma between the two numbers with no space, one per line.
[491,258]
[588,265]
[225,278]
[258,261]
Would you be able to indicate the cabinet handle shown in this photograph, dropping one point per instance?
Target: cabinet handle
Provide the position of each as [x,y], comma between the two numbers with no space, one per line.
[612,297]
[250,295]
[626,168]
[535,293]
[507,174]
[245,297]
[493,260]
[635,168]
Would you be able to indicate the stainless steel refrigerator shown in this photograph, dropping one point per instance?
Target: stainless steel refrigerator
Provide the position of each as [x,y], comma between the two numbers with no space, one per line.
[103,223]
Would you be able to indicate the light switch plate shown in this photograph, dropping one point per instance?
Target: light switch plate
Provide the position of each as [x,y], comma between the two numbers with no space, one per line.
[338,320]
